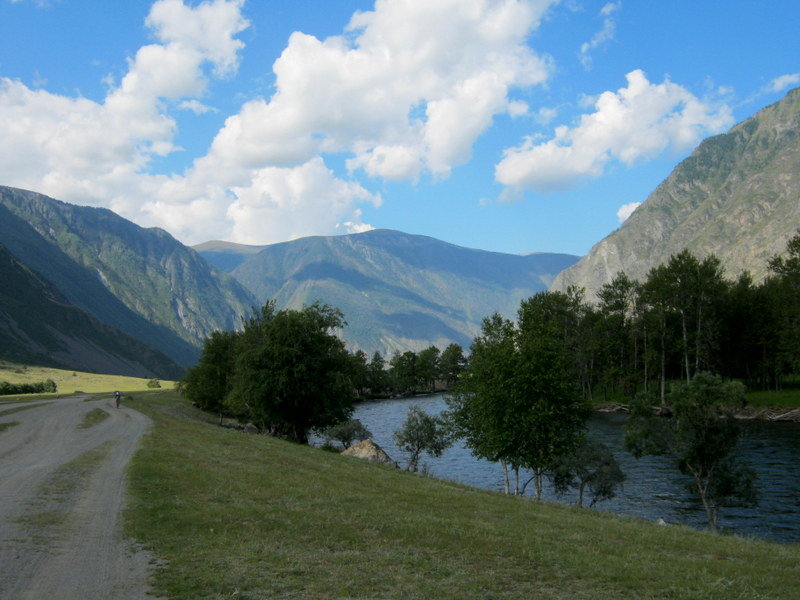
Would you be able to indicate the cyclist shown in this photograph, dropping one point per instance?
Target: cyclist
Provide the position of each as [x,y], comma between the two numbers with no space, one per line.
[117,396]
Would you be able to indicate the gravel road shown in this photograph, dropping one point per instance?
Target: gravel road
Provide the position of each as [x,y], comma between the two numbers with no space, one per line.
[62,488]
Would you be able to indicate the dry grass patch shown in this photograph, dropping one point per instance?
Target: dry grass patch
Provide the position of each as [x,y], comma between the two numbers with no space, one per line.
[68,382]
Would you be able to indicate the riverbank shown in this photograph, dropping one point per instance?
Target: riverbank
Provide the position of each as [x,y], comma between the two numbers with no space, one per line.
[235,515]
[759,413]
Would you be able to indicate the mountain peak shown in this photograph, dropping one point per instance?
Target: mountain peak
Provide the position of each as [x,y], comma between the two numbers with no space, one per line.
[736,196]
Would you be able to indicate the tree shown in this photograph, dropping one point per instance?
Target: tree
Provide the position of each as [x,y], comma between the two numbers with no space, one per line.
[377,378]
[452,363]
[360,372]
[517,402]
[550,410]
[403,372]
[700,437]
[591,467]
[428,367]
[784,286]
[421,433]
[208,383]
[479,410]
[292,374]
[347,432]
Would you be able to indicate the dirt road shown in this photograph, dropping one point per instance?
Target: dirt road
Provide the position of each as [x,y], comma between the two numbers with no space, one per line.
[62,487]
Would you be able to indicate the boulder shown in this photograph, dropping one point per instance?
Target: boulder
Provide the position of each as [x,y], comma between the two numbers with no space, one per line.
[369,450]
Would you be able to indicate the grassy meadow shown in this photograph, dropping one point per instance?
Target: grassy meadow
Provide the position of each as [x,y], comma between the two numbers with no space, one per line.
[68,382]
[232,515]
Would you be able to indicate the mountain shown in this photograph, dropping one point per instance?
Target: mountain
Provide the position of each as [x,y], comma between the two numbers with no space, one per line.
[226,255]
[140,281]
[68,337]
[397,291]
[737,196]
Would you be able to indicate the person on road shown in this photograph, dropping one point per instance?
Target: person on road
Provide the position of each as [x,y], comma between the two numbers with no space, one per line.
[117,396]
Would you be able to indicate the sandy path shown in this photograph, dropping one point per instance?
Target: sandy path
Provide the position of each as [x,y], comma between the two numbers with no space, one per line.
[61,492]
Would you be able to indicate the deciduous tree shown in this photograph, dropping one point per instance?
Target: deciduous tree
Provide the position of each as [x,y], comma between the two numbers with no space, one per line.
[700,437]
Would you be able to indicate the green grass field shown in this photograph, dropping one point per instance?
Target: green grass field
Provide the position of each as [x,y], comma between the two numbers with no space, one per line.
[68,382]
[233,515]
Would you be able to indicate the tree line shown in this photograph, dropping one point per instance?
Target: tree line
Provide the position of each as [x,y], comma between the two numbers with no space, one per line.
[685,318]
[37,387]
[409,372]
[288,373]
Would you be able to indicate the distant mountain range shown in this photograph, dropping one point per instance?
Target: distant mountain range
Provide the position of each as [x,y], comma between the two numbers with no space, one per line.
[737,196]
[397,291]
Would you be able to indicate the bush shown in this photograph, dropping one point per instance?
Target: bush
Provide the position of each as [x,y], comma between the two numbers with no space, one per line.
[153,383]
[347,432]
[41,387]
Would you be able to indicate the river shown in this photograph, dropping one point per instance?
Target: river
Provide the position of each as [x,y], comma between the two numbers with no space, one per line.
[653,489]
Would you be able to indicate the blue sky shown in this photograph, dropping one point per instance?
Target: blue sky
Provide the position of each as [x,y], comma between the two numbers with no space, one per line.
[508,125]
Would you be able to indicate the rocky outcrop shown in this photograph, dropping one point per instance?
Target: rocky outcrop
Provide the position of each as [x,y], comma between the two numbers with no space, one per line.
[369,450]
[737,196]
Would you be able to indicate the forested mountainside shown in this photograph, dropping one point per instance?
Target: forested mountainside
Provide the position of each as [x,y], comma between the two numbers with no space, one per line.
[737,196]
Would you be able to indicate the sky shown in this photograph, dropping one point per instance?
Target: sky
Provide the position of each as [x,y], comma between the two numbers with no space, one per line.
[506,125]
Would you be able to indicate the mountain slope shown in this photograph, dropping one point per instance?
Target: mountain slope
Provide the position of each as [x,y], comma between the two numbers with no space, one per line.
[141,281]
[397,291]
[38,326]
[737,196]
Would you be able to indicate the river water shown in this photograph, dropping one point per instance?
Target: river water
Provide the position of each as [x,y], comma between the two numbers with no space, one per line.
[653,490]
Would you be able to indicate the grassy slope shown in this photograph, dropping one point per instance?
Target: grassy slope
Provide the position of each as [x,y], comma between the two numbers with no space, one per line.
[244,516]
[68,382]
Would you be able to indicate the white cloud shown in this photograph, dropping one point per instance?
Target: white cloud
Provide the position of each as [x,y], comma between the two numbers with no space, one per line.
[408,89]
[635,123]
[196,107]
[626,210]
[783,82]
[288,203]
[97,153]
[404,91]
[605,35]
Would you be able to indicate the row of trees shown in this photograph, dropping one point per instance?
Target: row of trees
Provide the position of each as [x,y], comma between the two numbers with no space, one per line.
[288,373]
[38,387]
[684,318]
[523,400]
[408,372]
[524,396]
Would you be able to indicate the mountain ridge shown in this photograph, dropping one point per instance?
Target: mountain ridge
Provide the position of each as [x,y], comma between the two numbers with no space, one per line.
[398,291]
[141,281]
[736,196]
[69,337]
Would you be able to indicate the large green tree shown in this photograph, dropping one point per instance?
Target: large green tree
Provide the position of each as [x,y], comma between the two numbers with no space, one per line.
[700,436]
[292,374]
[480,409]
[517,403]
[208,383]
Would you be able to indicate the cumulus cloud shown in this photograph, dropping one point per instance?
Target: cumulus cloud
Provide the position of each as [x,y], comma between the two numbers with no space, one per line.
[634,123]
[605,35]
[407,89]
[783,82]
[626,210]
[96,152]
[404,92]
[277,203]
